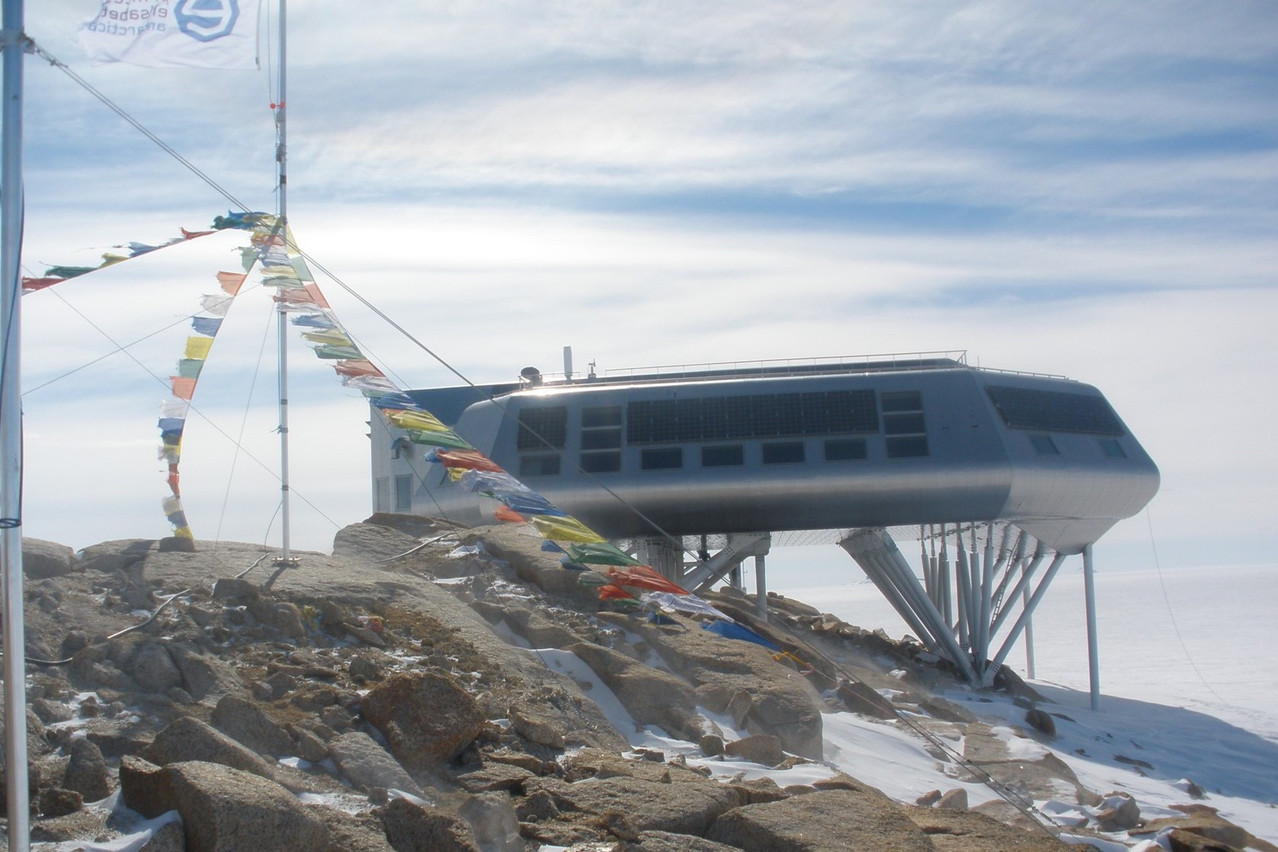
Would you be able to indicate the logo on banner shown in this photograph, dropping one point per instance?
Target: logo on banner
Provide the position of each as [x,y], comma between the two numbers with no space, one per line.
[206,20]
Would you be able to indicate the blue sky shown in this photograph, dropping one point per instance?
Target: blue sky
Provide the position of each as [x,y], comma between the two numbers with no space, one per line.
[1084,190]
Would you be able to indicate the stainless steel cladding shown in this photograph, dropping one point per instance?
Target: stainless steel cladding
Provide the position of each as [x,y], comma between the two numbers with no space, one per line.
[930,441]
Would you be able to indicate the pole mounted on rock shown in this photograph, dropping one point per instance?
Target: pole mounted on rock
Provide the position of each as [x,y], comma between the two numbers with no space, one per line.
[286,558]
[13,41]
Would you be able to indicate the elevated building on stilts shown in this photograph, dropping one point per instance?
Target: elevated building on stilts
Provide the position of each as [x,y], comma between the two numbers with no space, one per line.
[997,476]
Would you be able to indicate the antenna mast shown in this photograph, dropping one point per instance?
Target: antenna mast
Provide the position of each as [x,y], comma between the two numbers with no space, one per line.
[281,159]
[13,41]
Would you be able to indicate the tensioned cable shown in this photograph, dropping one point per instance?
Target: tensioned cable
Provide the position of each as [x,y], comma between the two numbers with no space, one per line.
[1003,791]
[1158,568]
[248,400]
[172,152]
[137,125]
[505,412]
[125,351]
[103,357]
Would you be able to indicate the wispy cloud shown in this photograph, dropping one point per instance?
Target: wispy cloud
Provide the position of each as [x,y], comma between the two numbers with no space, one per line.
[1085,189]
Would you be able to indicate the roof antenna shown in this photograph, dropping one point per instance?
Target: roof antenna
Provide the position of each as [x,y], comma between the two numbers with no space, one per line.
[568,364]
[531,375]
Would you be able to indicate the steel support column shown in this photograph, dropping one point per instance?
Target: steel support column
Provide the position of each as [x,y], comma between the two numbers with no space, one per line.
[1093,643]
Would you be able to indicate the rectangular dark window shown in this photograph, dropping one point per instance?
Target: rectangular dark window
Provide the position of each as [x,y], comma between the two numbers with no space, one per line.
[538,465]
[1044,445]
[542,428]
[913,446]
[607,462]
[404,493]
[903,424]
[787,453]
[1112,449]
[727,455]
[601,439]
[382,501]
[605,416]
[901,401]
[845,449]
[665,458]
[906,423]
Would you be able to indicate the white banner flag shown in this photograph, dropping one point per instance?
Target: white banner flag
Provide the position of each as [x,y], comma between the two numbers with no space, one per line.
[161,33]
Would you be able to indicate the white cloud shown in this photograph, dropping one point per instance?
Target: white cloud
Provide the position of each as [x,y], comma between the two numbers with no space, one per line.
[1084,190]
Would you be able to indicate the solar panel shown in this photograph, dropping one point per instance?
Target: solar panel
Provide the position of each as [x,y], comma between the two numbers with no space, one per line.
[1054,411]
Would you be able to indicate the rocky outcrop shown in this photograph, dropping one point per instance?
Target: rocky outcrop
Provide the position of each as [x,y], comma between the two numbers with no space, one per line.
[225,809]
[407,704]
[828,821]
[426,718]
[651,696]
[686,808]
[410,827]
[42,560]
[742,679]
[368,766]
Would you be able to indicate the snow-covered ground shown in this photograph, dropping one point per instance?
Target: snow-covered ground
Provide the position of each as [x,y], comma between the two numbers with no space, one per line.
[1189,694]
[1189,686]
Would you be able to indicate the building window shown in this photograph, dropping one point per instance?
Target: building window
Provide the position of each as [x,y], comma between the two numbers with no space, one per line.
[903,424]
[542,428]
[381,496]
[595,418]
[1112,449]
[601,439]
[666,458]
[787,453]
[845,449]
[907,447]
[1044,445]
[538,465]
[726,455]
[608,462]
[404,493]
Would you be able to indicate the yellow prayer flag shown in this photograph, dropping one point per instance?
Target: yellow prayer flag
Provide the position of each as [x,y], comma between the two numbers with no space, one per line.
[198,347]
[564,529]
[423,420]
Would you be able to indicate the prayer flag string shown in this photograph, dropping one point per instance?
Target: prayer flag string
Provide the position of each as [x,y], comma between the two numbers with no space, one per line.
[284,271]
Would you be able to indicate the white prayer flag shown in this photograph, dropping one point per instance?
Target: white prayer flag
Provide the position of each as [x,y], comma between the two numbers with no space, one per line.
[163,33]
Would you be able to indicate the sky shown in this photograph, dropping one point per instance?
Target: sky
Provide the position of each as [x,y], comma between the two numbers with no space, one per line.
[1084,190]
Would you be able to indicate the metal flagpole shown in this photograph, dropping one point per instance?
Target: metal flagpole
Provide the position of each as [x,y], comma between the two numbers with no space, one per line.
[15,687]
[281,159]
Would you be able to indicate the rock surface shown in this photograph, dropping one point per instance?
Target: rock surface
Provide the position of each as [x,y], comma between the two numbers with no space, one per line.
[354,703]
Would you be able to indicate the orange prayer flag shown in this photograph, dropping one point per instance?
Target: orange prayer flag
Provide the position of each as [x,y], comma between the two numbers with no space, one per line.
[183,388]
[466,460]
[354,367]
[509,515]
[231,282]
[30,285]
[316,295]
[612,593]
